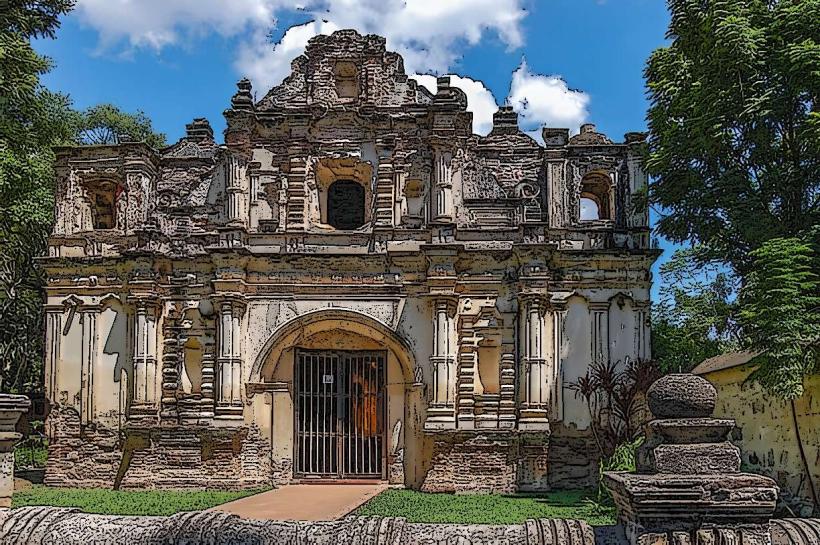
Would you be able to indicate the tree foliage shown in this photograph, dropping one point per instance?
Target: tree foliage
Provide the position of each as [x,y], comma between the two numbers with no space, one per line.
[734,125]
[107,124]
[734,150]
[694,318]
[781,312]
[32,121]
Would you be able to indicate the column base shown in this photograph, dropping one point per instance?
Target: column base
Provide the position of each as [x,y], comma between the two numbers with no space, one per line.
[533,420]
[229,413]
[440,418]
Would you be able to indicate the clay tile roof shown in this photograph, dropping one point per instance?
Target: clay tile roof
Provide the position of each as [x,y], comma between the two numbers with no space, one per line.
[724,361]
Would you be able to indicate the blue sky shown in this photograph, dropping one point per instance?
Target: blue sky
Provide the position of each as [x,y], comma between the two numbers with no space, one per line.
[559,62]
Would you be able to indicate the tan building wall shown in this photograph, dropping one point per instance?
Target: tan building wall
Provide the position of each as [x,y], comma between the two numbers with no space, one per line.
[766,431]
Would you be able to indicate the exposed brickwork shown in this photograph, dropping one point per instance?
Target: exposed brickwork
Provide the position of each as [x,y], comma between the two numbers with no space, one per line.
[503,463]
[167,456]
[574,459]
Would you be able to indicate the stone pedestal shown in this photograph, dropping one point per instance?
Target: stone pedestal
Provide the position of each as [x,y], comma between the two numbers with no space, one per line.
[11,407]
[688,489]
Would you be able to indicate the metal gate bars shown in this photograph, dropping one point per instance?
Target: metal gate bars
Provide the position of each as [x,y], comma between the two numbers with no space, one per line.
[339,412]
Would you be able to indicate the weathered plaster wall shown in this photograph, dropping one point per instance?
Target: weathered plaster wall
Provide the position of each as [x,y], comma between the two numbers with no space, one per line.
[470,265]
[766,433]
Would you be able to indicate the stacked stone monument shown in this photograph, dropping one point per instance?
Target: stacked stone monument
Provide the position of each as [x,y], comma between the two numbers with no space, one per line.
[688,488]
[11,407]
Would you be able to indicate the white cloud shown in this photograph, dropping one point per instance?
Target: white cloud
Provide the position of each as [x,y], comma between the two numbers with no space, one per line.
[429,34]
[480,100]
[546,100]
[160,23]
[267,64]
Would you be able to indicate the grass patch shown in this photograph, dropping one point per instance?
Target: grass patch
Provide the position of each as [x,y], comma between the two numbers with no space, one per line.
[31,454]
[488,509]
[126,502]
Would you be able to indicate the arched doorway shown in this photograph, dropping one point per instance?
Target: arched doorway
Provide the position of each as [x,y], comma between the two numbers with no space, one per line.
[342,394]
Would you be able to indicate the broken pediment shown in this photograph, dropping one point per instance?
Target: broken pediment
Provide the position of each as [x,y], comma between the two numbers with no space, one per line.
[346,68]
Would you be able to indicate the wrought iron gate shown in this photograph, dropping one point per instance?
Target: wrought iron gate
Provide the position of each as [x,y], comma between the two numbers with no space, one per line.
[339,414]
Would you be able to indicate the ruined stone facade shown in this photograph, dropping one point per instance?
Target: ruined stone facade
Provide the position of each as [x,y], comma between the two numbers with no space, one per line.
[353,286]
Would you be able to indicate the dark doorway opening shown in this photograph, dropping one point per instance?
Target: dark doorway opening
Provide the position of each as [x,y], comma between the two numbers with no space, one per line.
[345,205]
[339,411]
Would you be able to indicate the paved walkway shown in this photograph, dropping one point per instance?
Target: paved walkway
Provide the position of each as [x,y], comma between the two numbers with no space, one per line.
[303,502]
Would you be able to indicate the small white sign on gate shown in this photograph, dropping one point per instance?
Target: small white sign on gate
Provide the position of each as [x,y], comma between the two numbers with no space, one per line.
[327,379]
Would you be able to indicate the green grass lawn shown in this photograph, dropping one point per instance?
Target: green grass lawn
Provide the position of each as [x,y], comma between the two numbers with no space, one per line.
[119,502]
[488,509]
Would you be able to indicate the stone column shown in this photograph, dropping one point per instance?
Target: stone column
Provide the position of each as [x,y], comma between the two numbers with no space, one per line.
[296,204]
[506,409]
[88,318]
[233,190]
[145,355]
[385,187]
[54,333]
[443,206]
[536,379]
[171,362]
[11,408]
[441,413]
[642,347]
[229,359]
[599,319]
[559,315]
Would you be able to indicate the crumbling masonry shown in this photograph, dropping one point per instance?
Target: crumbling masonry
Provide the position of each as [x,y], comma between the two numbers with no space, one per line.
[353,286]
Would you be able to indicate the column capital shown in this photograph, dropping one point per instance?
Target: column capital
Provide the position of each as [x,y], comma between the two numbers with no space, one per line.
[234,301]
[445,302]
[145,301]
[599,306]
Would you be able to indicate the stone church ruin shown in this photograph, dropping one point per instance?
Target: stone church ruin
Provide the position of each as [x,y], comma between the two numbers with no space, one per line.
[353,286]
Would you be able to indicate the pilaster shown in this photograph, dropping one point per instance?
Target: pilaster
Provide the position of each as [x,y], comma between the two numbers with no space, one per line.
[229,355]
[443,183]
[535,368]
[599,321]
[88,318]
[145,375]
[441,412]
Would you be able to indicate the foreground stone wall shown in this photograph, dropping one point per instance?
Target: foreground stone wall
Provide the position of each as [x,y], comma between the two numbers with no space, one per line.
[65,526]
[152,456]
[53,525]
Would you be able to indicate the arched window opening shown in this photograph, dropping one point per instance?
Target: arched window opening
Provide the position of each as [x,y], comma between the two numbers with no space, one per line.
[596,198]
[104,197]
[345,205]
[589,209]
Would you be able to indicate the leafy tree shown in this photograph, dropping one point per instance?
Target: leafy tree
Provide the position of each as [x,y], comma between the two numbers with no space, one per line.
[734,150]
[694,316]
[781,312]
[32,121]
[735,127]
[107,124]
